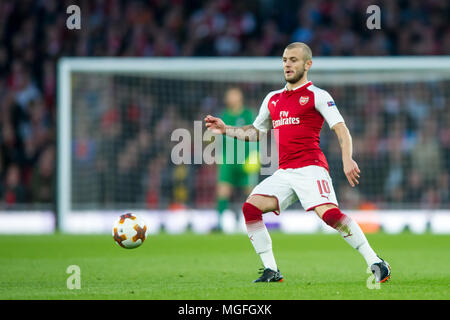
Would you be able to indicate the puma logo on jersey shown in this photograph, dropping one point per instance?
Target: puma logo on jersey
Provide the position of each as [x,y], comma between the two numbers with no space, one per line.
[275,102]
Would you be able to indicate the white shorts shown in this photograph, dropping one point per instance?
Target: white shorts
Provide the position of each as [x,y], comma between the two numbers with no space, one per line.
[312,185]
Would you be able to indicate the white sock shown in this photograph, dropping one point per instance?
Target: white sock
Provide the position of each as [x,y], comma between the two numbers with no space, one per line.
[260,238]
[352,233]
[367,252]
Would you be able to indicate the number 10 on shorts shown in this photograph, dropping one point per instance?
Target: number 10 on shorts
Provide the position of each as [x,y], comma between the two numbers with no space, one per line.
[324,188]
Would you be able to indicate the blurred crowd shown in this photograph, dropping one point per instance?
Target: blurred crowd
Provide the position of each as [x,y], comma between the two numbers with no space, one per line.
[401,142]
[400,134]
[33,36]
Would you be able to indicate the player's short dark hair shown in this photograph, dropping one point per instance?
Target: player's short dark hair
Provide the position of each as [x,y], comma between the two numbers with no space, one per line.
[307,53]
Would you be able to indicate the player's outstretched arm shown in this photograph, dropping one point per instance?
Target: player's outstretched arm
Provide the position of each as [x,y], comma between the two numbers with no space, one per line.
[217,126]
[351,169]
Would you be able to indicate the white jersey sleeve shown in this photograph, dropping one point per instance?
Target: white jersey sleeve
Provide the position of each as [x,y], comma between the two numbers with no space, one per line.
[263,121]
[326,106]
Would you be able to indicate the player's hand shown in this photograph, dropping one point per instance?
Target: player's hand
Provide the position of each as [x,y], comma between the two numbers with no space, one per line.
[351,171]
[215,125]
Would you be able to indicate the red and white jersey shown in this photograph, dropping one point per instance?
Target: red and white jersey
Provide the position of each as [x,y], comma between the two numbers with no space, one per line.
[298,115]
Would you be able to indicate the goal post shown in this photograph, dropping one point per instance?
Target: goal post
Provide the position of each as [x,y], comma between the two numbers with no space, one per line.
[96,94]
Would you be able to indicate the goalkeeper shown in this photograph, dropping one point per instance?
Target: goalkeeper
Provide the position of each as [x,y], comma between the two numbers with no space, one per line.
[235,172]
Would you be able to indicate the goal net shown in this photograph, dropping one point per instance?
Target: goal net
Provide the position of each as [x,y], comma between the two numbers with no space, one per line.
[117,116]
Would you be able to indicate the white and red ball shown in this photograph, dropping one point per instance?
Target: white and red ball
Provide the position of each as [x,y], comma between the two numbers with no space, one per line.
[129,231]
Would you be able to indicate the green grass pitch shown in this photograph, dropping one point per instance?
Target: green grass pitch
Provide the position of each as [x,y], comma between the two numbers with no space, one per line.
[218,266]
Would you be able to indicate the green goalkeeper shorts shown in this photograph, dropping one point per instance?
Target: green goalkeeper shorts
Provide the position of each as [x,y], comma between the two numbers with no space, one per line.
[235,175]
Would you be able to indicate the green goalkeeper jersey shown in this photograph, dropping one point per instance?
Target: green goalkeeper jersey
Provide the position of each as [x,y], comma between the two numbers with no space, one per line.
[244,117]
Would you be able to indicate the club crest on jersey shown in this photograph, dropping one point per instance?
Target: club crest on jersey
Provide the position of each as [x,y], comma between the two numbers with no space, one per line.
[303,100]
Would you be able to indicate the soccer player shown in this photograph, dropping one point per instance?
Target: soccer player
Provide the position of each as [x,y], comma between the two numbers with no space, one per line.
[297,112]
[231,173]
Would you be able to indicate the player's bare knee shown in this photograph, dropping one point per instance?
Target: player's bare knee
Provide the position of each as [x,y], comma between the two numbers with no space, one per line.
[320,210]
[264,203]
[223,190]
[254,201]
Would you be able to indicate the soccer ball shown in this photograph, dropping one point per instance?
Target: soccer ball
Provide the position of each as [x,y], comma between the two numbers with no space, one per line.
[129,231]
